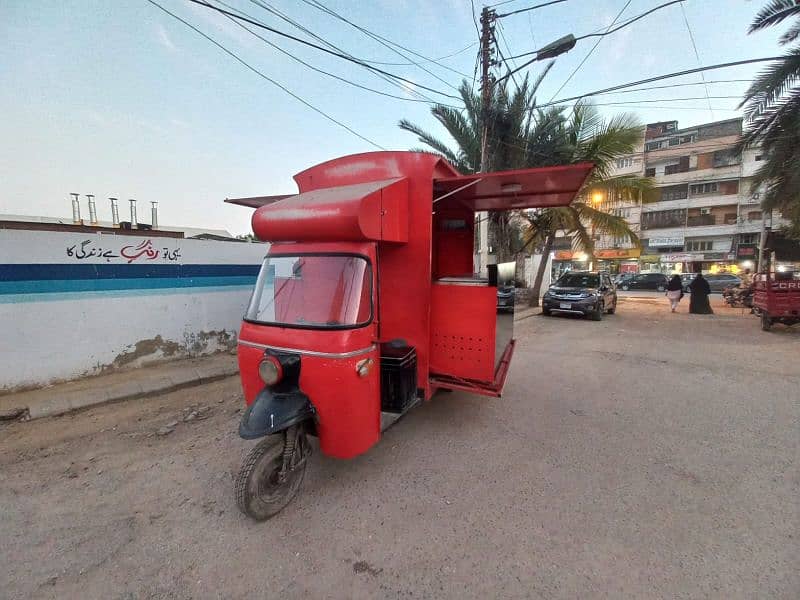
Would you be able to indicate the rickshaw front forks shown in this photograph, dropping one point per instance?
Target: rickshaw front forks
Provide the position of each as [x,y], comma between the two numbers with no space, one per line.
[296,450]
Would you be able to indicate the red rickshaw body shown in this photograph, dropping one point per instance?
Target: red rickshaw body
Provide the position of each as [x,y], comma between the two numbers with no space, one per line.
[410,218]
[776,298]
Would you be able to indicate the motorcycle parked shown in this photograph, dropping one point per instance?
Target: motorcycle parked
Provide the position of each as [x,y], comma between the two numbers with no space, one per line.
[738,298]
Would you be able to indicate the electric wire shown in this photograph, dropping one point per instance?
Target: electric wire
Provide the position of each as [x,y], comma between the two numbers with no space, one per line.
[266,77]
[274,11]
[697,56]
[588,54]
[320,48]
[387,43]
[621,86]
[322,71]
[522,10]
[674,85]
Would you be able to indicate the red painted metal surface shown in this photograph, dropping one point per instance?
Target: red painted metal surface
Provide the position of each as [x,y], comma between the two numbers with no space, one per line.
[775,297]
[506,190]
[348,406]
[495,388]
[374,210]
[463,331]
[387,198]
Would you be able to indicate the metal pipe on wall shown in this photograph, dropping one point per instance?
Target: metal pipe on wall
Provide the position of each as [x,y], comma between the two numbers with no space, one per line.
[133,213]
[76,209]
[154,214]
[92,210]
[114,212]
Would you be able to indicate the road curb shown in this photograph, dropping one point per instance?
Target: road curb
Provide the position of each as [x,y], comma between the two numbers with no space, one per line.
[57,402]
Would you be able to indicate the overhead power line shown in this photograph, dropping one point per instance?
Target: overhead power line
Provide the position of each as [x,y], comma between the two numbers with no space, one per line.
[588,54]
[431,60]
[661,77]
[387,43]
[522,10]
[696,55]
[322,71]
[674,85]
[601,33]
[318,47]
[266,77]
[274,11]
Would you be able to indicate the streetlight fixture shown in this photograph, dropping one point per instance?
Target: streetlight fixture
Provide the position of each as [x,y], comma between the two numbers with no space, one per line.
[551,50]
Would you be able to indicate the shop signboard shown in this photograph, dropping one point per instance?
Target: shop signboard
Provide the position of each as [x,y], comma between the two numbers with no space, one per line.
[563,255]
[681,258]
[667,241]
[650,258]
[616,254]
[746,252]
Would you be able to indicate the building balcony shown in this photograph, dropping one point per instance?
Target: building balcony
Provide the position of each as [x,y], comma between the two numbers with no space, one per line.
[693,176]
[701,220]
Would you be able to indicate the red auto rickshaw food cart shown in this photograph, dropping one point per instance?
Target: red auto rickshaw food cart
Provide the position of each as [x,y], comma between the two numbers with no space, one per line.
[366,304]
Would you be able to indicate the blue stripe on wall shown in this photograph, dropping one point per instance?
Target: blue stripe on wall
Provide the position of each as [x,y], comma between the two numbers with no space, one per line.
[32,272]
[55,286]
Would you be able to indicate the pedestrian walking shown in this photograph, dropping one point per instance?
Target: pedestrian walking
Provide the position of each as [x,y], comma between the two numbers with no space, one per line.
[675,291]
[698,303]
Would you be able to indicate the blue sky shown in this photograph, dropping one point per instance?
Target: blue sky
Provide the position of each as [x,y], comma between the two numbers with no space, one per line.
[119,99]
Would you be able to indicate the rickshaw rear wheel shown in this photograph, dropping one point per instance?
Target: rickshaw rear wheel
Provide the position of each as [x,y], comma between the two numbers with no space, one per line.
[264,486]
[766,322]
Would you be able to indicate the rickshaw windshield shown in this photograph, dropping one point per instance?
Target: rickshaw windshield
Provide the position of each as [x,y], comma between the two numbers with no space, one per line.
[313,291]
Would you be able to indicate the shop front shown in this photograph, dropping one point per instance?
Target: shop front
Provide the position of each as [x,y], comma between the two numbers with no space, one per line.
[708,262]
[621,260]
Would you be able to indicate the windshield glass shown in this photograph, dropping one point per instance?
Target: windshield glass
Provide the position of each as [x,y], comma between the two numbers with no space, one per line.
[314,291]
[579,280]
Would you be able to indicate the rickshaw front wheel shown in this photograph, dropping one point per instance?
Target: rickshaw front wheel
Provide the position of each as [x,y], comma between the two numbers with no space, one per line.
[766,322]
[268,480]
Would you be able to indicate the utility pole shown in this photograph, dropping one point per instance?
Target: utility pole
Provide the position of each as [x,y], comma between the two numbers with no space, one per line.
[487,25]
[488,17]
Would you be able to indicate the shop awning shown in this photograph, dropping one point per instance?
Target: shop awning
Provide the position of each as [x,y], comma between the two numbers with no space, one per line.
[509,190]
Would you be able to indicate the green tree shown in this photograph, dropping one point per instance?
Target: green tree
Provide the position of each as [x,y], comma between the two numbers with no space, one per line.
[520,136]
[772,113]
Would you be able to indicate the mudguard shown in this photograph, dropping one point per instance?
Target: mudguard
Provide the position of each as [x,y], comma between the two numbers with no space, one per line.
[273,411]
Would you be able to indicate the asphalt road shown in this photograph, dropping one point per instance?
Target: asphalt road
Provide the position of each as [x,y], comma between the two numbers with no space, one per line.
[647,455]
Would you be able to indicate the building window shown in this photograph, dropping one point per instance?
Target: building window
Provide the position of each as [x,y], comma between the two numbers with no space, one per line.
[624,162]
[703,188]
[748,238]
[754,215]
[699,245]
[674,192]
[664,218]
[726,158]
[650,172]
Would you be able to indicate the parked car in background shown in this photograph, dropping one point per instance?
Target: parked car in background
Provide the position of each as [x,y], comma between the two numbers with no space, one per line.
[589,293]
[505,298]
[686,279]
[619,279]
[722,281]
[646,281]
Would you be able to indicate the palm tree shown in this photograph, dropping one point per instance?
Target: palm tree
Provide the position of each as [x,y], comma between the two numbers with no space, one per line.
[509,121]
[772,111]
[585,136]
[520,136]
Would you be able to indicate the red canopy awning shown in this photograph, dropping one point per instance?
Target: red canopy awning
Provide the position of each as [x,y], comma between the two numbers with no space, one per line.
[508,190]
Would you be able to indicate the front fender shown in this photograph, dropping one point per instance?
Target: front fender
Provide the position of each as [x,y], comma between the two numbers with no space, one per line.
[274,411]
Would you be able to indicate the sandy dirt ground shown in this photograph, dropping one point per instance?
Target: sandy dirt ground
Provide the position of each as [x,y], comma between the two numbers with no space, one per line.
[647,455]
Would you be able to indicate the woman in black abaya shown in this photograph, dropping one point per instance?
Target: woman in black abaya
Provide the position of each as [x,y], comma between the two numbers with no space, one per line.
[698,303]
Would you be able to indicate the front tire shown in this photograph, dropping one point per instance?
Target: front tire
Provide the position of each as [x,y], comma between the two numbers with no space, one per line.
[625,288]
[546,312]
[661,288]
[766,322]
[260,494]
[597,315]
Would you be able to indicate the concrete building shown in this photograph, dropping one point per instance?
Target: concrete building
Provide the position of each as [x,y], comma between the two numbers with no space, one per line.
[706,213]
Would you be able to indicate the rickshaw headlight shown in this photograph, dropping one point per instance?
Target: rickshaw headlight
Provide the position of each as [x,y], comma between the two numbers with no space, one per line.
[270,370]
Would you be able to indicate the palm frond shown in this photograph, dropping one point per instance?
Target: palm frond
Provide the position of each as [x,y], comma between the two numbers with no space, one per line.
[428,139]
[773,13]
